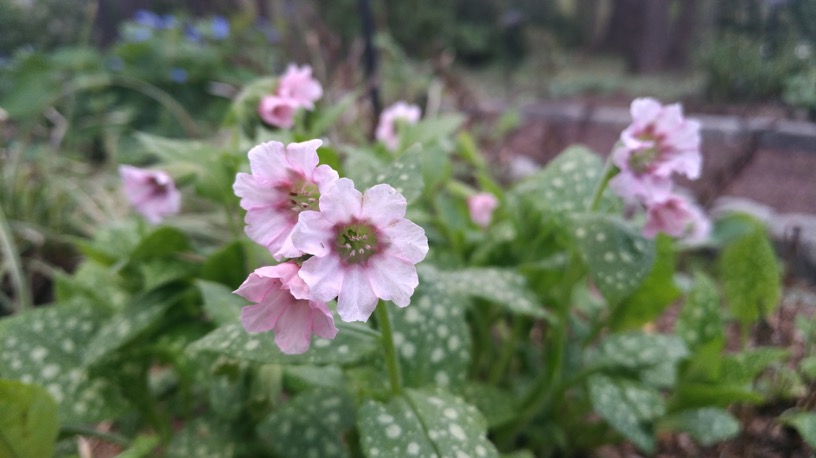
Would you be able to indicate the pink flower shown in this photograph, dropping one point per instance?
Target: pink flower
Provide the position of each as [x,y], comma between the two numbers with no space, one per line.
[285,181]
[676,217]
[481,206]
[278,111]
[658,143]
[151,192]
[363,249]
[298,85]
[282,305]
[387,127]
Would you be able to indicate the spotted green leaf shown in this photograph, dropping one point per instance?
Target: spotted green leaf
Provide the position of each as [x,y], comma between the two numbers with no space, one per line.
[707,425]
[28,420]
[432,339]
[636,350]
[567,184]
[700,320]
[498,406]
[439,128]
[162,242]
[404,174]
[136,319]
[751,276]
[313,423]
[804,423]
[221,305]
[202,438]
[46,346]
[628,407]
[743,367]
[233,341]
[618,257]
[503,287]
[422,424]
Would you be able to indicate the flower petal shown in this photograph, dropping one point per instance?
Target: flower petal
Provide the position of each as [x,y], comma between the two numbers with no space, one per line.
[357,300]
[406,240]
[293,332]
[382,204]
[341,203]
[324,176]
[269,227]
[267,162]
[324,277]
[313,234]
[322,320]
[392,279]
[264,315]
[302,157]
[252,194]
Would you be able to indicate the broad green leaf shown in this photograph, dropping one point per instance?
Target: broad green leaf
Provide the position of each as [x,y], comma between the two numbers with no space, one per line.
[418,423]
[221,305]
[700,320]
[742,368]
[143,446]
[707,426]
[203,438]
[429,130]
[162,242]
[432,339]
[46,346]
[228,393]
[497,406]
[156,273]
[805,424]
[690,395]
[94,282]
[751,276]
[111,244]
[618,257]
[136,319]
[28,420]
[567,184]
[656,292]
[327,116]
[313,423]
[636,350]
[503,287]
[306,377]
[628,407]
[233,341]
[404,174]
[174,150]
[227,265]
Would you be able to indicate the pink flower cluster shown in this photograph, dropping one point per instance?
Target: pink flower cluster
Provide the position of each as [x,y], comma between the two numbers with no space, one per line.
[296,89]
[151,192]
[358,247]
[387,128]
[659,143]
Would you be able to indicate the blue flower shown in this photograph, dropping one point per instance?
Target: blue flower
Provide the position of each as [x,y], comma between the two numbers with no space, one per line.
[148,19]
[192,34]
[138,33]
[220,28]
[178,74]
[168,21]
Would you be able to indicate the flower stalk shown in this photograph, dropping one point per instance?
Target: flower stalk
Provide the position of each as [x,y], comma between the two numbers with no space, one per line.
[390,352]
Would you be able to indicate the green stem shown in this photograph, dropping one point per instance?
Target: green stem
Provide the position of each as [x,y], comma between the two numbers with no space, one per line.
[85,430]
[9,250]
[607,173]
[500,368]
[390,352]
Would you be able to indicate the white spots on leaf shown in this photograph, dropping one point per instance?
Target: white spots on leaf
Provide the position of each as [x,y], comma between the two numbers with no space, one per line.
[454,343]
[49,371]
[457,431]
[437,355]
[451,413]
[600,236]
[580,232]
[39,354]
[408,350]
[393,431]
[343,349]
[322,343]
[413,448]
[252,345]
[609,256]
[385,419]
[442,379]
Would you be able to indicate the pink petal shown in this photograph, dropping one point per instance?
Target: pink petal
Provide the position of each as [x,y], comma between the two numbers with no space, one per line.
[357,300]
[324,176]
[644,111]
[382,204]
[302,157]
[264,316]
[392,279]
[293,332]
[322,320]
[313,234]
[341,203]
[252,195]
[267,162]
[324,276]
[406,240]
[269,227]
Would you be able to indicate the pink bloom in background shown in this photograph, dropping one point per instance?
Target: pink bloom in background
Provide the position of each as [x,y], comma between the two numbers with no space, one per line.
[151,192]
[658,143]
[285,181]
[363,249]
[278,111]
[676,217]
[282,305]
[298,85]
[481,206]
[387,127]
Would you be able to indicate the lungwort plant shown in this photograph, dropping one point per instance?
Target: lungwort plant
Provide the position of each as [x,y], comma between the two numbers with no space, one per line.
[390,299]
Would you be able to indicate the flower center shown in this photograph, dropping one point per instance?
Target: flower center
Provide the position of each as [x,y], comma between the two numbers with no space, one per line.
[356,242]
[303,195]
[641,160]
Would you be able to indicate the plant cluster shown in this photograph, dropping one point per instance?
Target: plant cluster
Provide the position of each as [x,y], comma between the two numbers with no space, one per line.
[392,298]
